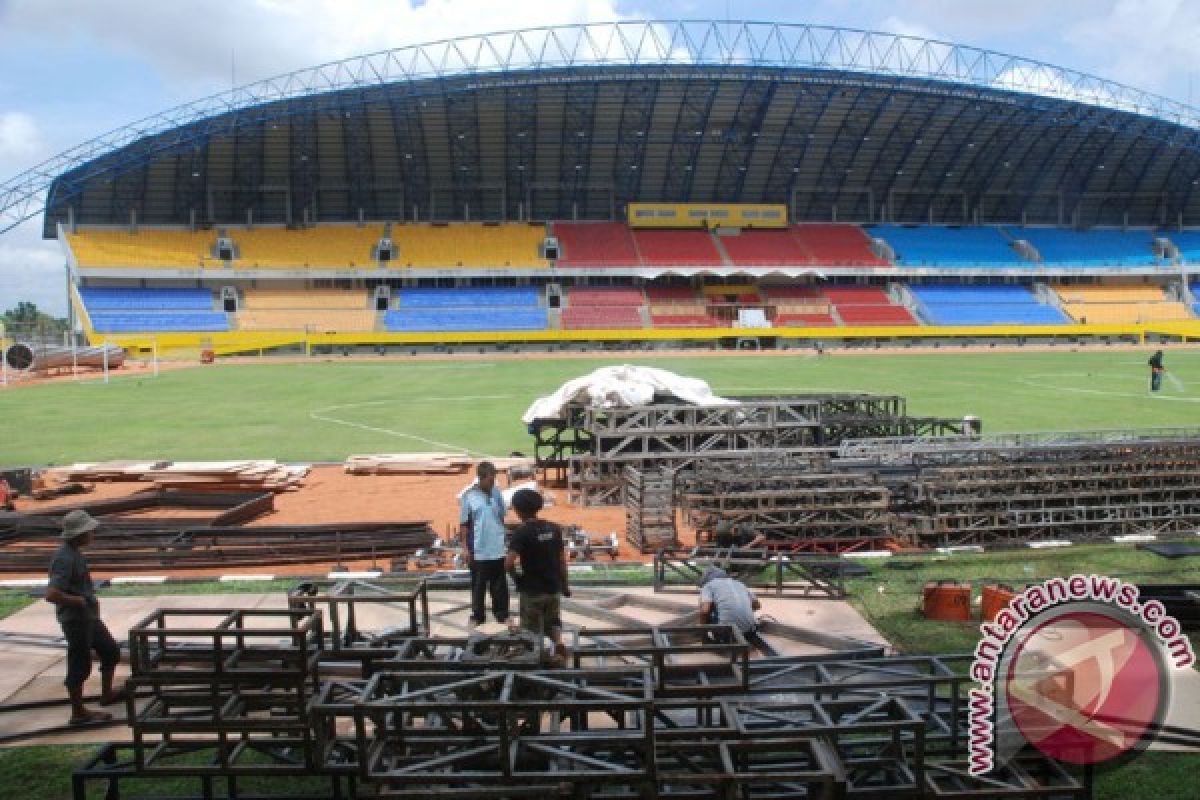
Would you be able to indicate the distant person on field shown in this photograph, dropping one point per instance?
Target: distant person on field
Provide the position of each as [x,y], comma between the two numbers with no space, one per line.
[737,535]
[1156,371]
[726,601]
[481,526]
[70,588]
[538,546]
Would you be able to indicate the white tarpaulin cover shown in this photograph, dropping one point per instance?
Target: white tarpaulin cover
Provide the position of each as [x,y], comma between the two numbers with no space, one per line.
[621,387]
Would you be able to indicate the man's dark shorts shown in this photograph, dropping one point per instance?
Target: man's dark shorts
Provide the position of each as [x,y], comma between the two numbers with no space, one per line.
[541,613]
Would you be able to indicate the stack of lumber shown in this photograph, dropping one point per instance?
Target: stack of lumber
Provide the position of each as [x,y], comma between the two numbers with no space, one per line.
[104,471]
[248,475]
[409,464]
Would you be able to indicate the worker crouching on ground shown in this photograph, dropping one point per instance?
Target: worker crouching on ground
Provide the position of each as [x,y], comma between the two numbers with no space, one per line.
[481,526]
[538,545]
[726,601]
[70,588]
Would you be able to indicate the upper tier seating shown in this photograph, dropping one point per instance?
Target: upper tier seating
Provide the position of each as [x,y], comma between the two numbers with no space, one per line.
[685,248]
[763,248]
[1188,243]
[937,246]
[1092,248]
[323,246]
[837,245]
[484,308]
[866,305]
[595,244]
[468,244]
[148,248]
[122,298]
[961,304]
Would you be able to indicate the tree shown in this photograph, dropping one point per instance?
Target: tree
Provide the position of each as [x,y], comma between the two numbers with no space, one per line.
[27,318]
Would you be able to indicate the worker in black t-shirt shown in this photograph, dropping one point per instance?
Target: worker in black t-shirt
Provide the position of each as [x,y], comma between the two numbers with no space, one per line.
[538,545]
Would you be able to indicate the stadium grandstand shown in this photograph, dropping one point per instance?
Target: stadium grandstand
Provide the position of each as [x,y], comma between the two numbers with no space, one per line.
[639,181]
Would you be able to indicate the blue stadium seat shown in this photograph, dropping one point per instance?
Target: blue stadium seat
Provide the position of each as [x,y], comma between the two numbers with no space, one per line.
[960,304]
[469,297]
[142,322]
[461,319]
[134,298]
[1092,248]
[939,246]
[1188,243]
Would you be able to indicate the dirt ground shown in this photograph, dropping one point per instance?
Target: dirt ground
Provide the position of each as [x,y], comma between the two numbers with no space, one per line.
[329,494]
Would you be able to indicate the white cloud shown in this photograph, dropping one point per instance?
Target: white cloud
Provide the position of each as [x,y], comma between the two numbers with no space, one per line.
[1148,44]
[203,41]
[31,270]
[906,27]
[21,140]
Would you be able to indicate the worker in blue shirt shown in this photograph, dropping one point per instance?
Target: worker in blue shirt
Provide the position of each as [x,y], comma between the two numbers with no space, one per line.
[481,527]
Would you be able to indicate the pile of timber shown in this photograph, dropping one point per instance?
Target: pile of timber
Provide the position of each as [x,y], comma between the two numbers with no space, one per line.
[429,464]
[221,476]
[409,464]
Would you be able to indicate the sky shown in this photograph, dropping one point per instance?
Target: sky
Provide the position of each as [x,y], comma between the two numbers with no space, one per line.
[73,69]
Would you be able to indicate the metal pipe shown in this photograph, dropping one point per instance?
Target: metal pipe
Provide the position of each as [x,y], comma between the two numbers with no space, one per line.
[25,357]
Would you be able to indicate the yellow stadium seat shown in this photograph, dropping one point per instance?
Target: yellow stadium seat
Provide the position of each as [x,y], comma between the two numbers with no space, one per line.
[294,299]
[146,249]
[1125,313]
[468,244]
[331,246]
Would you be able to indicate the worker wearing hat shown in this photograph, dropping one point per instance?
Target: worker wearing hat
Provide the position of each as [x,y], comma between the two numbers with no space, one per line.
[70,588]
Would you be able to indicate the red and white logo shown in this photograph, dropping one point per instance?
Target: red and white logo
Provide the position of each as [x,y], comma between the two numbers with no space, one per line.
[1083,686]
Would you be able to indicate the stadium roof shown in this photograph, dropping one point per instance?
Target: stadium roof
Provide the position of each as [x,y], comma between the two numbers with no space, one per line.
[575,121]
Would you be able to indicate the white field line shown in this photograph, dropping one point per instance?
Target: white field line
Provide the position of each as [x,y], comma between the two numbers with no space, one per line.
[1050,386]
[322,415]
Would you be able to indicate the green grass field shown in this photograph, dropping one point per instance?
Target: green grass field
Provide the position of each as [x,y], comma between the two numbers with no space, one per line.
[325,410]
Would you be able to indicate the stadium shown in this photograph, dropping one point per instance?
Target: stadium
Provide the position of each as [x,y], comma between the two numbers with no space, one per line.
[943,258]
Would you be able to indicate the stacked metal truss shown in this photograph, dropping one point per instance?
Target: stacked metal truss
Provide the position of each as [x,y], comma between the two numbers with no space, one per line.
[649,496]
[589,447]
[803,574]
[796,507]
[1077,491]
[231,686]
[660,712]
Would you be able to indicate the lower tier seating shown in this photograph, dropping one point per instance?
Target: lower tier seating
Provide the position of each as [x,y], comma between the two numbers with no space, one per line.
[158,321]
[310,320]
[132,298]
[963,304]
[582,317]
[466,319]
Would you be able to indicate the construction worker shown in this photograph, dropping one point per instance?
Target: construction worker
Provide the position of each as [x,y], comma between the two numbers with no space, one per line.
[726,601]
[538,545]
[481,527]
[70,588]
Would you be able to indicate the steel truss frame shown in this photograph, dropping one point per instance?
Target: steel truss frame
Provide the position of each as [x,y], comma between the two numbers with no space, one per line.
[339,599]
[853,55]
[785,575]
